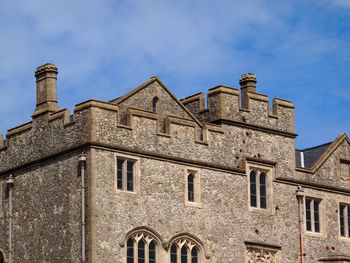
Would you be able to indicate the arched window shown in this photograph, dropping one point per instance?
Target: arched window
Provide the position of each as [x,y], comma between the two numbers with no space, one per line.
[258,189]
[262,179]
[155,104]
[141,248]
[2,260]
[184,251]
[252,180]
[192,188]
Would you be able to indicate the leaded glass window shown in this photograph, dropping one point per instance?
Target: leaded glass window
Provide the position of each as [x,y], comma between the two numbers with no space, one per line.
[125,174]
[344,220]
[184,251]
[141,248]
[258,189]
[312,214]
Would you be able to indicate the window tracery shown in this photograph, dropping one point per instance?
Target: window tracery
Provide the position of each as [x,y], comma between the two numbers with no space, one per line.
[184,251]
[141,248]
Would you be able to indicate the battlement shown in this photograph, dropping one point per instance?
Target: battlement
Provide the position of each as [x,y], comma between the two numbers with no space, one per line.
[227,104]
[136,123]
[98,123]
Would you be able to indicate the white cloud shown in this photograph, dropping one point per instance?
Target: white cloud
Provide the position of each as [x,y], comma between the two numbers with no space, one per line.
[107,47]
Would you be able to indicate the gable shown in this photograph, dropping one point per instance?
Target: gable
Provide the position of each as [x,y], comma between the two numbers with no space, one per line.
[142,98]
[333,167]
[306,158]
[339,149]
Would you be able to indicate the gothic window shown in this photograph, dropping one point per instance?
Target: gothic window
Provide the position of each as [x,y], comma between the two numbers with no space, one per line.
[2,258]
[258,188]
[155,104]
[184,251]
[313,214]
[344,220]
[126,173]
[192,189]
[141,248]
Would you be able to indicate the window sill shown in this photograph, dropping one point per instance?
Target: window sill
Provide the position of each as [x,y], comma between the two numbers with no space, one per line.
[266,211]
[315,234]
[126,192]
[193,204]
[344,239]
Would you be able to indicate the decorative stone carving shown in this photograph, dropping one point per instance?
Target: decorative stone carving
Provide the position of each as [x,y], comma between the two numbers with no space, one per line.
[259,255]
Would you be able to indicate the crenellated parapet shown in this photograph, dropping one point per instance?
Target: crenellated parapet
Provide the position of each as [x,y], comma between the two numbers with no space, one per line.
[192,133]
[247,107]
[45,135]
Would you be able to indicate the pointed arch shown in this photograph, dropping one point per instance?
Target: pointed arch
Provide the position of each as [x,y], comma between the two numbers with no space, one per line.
[142,245]
[184,247]
[155,104]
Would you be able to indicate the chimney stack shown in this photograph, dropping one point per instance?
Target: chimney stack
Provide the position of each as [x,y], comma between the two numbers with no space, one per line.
[248,84]
[46,97]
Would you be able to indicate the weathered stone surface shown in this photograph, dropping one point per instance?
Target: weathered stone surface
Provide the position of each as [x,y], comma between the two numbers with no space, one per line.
[221,144]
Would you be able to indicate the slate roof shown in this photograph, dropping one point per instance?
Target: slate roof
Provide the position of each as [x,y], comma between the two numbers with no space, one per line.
[311,155]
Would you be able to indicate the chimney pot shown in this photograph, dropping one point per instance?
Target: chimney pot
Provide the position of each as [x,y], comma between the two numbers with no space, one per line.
[248,82]
[46,89]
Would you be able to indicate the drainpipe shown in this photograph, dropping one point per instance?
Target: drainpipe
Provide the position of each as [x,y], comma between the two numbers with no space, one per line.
[10,182]
[300,196]
[82,163]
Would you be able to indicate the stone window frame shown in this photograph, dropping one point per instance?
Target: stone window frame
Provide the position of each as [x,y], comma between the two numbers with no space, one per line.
[272,249]
[269,170]
[322,220]
[155,104]
[197,187]
[188,242]
[147,236]
[346,221]
[136,174]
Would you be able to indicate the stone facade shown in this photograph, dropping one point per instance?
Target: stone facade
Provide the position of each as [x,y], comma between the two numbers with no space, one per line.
[154,205]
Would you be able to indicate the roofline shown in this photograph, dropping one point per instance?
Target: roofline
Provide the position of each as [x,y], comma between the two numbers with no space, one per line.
[324,157]
[150,81]
[314,147]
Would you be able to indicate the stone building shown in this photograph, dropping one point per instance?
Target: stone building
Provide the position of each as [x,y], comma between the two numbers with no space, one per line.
[148,178]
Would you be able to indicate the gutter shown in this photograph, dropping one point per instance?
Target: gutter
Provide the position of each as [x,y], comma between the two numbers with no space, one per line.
[300,196]
[82,163]
[10,183]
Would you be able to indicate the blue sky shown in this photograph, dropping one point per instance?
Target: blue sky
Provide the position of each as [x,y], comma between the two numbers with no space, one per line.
[299,50]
